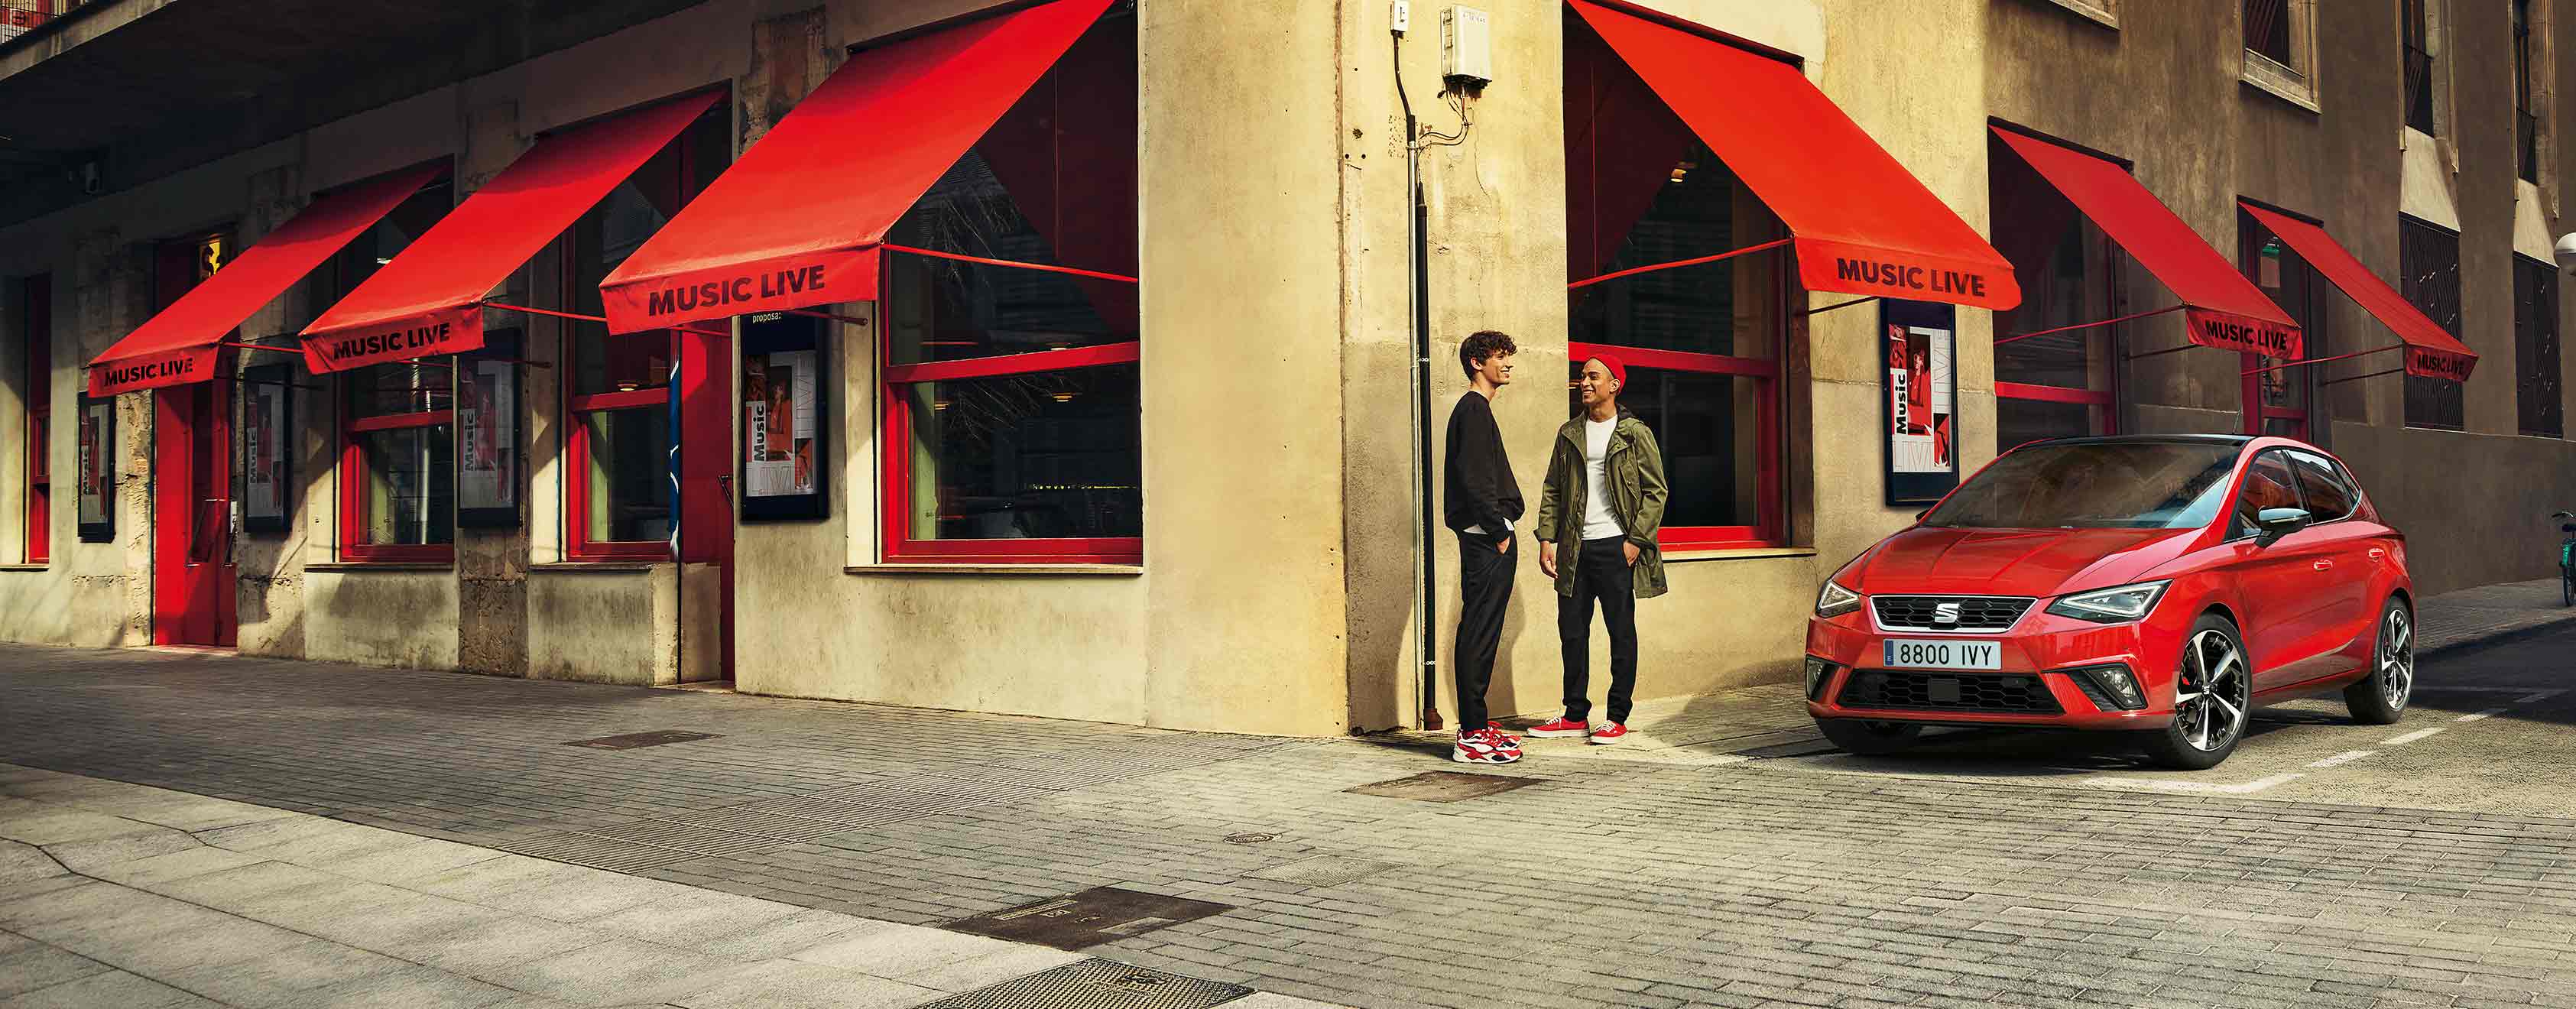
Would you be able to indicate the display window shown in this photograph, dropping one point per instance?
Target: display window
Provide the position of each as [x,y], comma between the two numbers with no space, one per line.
[2061,382]
[2277,399]
[1702,342]
[1011,334]
[397,432]
[38,329]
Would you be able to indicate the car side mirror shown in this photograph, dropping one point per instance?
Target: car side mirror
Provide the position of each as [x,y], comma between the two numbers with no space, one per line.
[2280,522]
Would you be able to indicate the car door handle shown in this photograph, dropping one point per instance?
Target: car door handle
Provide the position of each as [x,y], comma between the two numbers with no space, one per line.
[2324,565]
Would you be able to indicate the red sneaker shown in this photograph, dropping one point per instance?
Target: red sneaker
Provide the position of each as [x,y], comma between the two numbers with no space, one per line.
[1560,728]
[1485,746]
[1505,733]
[1609,733]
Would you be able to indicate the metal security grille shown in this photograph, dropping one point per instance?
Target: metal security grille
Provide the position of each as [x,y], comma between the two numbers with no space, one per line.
[2535,347]
[1097,984]
[1905,691]
[2428,265]
[1984,614]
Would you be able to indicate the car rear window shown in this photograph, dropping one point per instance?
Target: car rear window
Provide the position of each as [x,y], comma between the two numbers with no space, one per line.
[2095,485]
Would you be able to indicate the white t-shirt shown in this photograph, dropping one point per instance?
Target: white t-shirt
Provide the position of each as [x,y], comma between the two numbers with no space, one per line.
[1598,523]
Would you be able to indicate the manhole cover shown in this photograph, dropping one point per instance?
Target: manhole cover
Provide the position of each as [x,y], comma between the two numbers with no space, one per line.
[1327,870]
[1088,918]
[633,740]
[1444,786]
[1097,984]
[1249,838]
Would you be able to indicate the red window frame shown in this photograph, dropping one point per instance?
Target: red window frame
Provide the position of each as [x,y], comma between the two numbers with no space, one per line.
[896,456]
[39,292]
[353,479]
[1773,522]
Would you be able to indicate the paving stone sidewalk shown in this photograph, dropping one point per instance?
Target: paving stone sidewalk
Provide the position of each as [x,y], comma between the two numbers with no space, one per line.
[2487,613]
[124,896]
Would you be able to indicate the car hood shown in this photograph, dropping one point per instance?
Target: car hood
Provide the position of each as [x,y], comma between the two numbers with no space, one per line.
[2015,562]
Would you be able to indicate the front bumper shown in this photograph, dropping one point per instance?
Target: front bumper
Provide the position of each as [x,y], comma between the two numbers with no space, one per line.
[2041,648]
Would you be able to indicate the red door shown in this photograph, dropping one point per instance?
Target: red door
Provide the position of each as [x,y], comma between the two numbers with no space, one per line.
[192,570]
[705,434]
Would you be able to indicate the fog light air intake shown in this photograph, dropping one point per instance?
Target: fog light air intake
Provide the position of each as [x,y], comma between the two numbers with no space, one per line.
[1819,673]
[2110,688]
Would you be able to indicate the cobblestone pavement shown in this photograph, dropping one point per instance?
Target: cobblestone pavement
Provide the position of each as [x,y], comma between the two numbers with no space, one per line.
[1740,866]
[2488,612]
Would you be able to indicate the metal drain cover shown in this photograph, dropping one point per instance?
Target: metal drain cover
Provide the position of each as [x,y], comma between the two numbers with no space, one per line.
[1324,870]
[1089,918]
[1097,984]
[1444,786]
[633,740]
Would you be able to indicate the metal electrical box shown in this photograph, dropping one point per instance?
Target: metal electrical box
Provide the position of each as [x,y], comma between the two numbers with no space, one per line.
[1466,47]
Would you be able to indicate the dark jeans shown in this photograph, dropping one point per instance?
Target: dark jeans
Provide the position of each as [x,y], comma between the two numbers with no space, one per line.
[1484,591]
[1600,572]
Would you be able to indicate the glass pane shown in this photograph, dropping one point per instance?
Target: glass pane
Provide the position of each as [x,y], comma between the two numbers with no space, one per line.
[946,310]
[2095,485]
[2054,294]
[1730,307]
[1048,455]
[402,387]
[2268,484]
[377,246]
[2325,494]
[1710,429]
[410,491]
[2019,422]
[630,475]
[602,239]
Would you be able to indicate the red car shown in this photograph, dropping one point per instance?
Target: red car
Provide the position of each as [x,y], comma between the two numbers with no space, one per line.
[2162,586]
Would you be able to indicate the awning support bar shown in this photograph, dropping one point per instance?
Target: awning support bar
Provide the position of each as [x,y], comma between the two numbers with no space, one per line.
[936,254]
[578,317]
[855,320]
[2087,325]
[1674,265]
[2168,350]
[1838,304]
[2356,378]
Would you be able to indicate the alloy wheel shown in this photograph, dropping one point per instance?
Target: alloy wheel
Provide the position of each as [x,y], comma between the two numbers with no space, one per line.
[2396,658]
[2211,700]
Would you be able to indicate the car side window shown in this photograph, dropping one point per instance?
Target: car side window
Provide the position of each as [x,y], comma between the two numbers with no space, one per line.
[2268,484]
[2328,495]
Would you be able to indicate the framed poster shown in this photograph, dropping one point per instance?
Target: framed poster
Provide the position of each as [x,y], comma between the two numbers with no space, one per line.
[97,476]
[267,458]
[488,462]
[782,413]
[1919,404]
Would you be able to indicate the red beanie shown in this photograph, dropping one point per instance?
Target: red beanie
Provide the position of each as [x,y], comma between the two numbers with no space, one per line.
[1617,370]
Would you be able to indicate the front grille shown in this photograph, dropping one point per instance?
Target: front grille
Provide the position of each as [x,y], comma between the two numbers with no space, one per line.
[1982,614]
[2011,693]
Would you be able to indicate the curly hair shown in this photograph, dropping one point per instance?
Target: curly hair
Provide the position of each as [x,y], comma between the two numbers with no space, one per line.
[1483,344]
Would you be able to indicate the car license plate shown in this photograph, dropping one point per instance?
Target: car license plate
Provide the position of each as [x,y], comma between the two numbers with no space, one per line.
[1943,655]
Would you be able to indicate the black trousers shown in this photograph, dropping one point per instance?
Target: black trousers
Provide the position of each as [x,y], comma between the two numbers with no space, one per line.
[1600,573]
[1484,592]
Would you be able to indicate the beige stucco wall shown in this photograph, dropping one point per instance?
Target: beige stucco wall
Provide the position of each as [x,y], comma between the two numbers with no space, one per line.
[609,623]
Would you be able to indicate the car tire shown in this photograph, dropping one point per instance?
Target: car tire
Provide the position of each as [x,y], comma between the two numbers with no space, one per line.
[2208,723]
[1867,738]
[2380,697]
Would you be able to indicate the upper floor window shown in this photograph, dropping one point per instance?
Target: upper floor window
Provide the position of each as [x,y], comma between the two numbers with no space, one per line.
[2526,119]
[2428,265]
[38,330]
[2415,26]
[2537,395]
[2280,48]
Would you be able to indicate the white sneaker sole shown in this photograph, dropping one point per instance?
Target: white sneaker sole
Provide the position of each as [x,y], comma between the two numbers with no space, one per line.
[1556,733]
[1609,741]
[1465,759]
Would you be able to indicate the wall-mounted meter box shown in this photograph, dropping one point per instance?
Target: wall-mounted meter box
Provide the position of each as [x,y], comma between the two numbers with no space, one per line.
[1466,47]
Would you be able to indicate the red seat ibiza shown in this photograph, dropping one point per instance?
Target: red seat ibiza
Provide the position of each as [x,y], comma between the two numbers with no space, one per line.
[2156,585]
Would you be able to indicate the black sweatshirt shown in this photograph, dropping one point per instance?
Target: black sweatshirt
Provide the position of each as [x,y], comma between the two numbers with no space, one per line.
[1481,491]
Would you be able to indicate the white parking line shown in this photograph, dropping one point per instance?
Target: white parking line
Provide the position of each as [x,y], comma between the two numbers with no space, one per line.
[2196,787]
[2480,716]
[2538,696]
[2410,737]
[2346,757]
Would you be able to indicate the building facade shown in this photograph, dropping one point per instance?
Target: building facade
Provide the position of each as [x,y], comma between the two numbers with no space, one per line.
[1156,311]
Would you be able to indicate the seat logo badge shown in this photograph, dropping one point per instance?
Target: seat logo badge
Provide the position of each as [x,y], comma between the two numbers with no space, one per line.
[1945,613]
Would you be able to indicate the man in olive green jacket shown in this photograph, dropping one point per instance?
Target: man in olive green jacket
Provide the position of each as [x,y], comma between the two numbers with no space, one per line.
[1596,533]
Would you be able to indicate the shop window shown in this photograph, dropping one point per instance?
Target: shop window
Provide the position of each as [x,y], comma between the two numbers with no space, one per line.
[2537,396]
[2277,400]
[2415,27]
[1702,343]
[1012,334]
[620,498]
[38,329]
[2280,48]
[397,463]
[2051,381]
[2428,264]
[397,426]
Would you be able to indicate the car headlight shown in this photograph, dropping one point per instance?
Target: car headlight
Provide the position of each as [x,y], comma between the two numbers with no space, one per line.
[1834,600]
[2111,606]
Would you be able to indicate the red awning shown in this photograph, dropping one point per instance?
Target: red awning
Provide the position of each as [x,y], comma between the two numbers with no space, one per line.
[178,346]
[798,220]
[1861,223]
[2220,307]
[429,300]
[2431,351]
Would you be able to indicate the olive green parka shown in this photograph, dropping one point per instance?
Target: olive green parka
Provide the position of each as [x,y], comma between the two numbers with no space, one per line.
[1637,492]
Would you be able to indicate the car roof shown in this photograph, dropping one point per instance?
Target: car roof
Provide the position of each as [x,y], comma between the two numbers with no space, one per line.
[2153,439]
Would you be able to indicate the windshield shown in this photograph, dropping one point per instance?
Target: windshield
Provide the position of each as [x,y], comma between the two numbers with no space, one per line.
[2095,485]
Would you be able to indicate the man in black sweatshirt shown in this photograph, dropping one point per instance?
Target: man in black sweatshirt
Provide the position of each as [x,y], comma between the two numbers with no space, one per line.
[1483,502]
